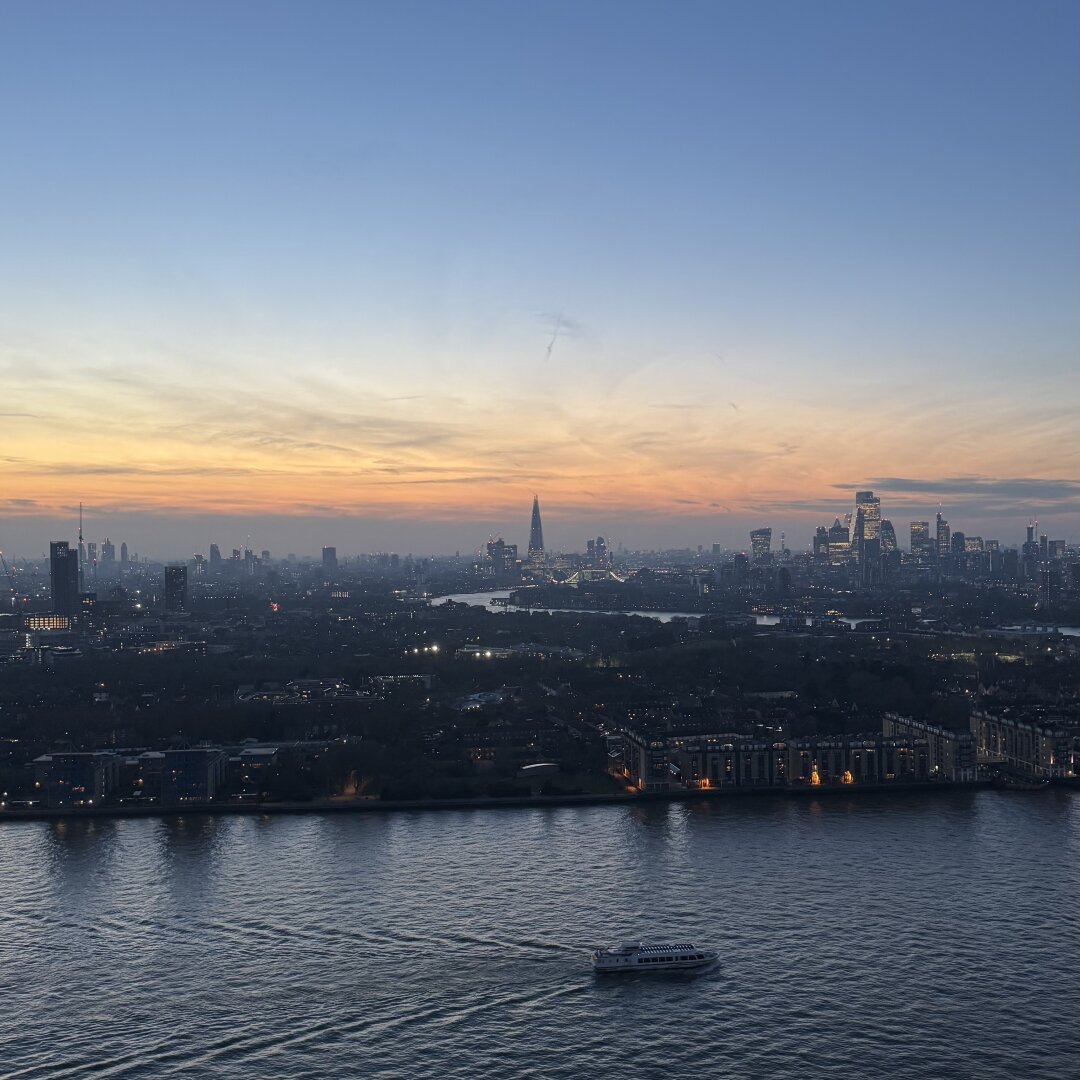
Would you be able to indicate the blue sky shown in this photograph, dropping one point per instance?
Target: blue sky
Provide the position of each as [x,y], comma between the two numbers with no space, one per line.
[679,268]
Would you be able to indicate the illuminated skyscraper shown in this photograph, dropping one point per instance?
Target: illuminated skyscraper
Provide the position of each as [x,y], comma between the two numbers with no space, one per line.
[761,544]
[839,542]
[866,538]
[858,537]
[64,577]
[944,540]
[870,505]
[536,532]
[821,543]
[921,548]
[888,536]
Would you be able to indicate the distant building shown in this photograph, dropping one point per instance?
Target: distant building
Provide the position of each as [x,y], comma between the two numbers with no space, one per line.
[64,577]
[176,588]
[821,544]
[870,505]
[596,553]
[922,550]
[503,559]
[329,562]
[943,537]
[839,542]
[888,537]
[536,533]
[761,545]
[866,535]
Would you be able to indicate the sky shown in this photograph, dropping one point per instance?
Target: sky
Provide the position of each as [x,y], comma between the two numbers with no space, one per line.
[373,274]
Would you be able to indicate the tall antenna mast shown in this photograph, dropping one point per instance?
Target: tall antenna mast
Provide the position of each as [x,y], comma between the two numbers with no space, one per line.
[82,554]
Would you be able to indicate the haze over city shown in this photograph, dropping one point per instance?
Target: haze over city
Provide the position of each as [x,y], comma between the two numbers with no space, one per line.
[374,276]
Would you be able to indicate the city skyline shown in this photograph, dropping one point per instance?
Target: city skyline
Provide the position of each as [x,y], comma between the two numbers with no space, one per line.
[424,275]
[850,521]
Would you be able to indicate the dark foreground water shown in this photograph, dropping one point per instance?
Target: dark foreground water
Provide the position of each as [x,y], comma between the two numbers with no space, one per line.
[904,937]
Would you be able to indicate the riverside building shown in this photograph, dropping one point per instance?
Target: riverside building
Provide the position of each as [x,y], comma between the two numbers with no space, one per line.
[654,763]
[1044,748]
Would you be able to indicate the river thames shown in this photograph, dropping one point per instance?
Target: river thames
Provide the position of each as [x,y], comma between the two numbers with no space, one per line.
[910,936]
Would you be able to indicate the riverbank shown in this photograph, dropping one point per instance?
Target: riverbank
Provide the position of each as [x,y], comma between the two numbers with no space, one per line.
[380,806]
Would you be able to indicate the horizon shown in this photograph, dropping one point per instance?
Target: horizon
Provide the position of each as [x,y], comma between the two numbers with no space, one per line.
[309,535]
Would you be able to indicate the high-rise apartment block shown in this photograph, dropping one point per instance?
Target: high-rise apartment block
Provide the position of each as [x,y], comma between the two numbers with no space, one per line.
[64,577]
[329,562]
[176,588]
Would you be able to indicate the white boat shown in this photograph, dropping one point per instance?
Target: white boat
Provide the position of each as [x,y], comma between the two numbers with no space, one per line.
[639,956]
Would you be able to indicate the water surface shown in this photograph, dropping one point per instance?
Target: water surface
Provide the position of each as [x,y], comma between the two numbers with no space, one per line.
[906,936]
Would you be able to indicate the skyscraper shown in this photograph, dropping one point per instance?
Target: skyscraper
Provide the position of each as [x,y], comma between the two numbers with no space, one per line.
[866,540]
[943,537]
[761,544]
[870,505]
[921,548]
[64,577]
[821,543]
[858,537]
[888,536]
[536,532]
[839,542]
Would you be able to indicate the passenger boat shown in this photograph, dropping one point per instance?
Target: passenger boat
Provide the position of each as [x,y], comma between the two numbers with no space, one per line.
[639,956]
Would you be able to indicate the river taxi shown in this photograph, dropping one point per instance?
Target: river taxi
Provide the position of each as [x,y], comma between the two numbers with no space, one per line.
[639,956]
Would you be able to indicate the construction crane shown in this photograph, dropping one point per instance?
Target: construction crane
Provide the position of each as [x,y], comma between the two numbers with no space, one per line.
[10,574]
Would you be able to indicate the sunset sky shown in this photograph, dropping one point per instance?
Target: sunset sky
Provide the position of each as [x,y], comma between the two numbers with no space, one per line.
[372,275]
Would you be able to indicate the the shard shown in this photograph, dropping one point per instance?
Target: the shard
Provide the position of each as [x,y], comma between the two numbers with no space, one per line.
[536,532]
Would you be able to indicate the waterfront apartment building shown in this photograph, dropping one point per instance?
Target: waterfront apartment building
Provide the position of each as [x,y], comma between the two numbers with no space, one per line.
[1036,747]
[76,778]
[951,750]
[654,763]
[192,775]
